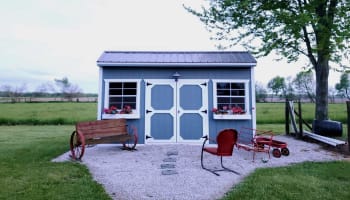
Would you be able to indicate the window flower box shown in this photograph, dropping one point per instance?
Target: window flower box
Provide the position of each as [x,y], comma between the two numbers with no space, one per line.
[115,113]
[235,113]
[119,116]
[232,116]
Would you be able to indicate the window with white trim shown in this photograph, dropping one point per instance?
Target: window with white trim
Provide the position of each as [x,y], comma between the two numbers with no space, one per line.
[122,98]
[231,97]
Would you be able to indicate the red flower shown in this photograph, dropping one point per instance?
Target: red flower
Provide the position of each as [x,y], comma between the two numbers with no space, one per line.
[237,110]
[113,108]
[127,109]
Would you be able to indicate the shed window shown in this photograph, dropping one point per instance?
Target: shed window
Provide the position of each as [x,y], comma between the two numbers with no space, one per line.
[231,97]
[124,96]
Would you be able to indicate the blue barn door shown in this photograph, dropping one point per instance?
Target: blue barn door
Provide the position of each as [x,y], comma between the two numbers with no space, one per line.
[176,112]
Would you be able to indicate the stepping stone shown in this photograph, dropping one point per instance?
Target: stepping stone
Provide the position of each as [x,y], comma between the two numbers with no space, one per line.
[169,172]
[169,160]
[171,153]
[167,166]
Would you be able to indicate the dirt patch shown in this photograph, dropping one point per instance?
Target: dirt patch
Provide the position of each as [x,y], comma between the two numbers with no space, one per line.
[341,149]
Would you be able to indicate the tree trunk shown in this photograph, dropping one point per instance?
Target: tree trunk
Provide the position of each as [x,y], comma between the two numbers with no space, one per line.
[322,72]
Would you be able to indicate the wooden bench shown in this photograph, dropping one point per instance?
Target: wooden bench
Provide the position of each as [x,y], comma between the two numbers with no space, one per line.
[101,131]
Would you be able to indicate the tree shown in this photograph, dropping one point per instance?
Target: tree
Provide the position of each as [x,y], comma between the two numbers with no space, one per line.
[68,90]
[44,89]
[304,82]
[277,85]
[13,91]
[343,86]
[317,29]
[260,92]
[289,91]
[332,93]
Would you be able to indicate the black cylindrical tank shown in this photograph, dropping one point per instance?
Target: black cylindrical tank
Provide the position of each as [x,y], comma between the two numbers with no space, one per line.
[327,128]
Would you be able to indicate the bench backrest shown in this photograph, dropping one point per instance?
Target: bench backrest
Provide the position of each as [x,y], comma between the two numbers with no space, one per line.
[102,128]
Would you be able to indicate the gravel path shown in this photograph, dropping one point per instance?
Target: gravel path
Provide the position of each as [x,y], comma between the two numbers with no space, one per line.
[174,172]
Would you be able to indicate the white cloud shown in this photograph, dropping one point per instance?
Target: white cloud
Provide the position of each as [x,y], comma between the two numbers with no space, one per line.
[42,40]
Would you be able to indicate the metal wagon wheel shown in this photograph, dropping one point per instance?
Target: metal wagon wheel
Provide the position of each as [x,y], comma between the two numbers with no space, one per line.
[276,153]
[130,144]
[77,145]
[285,151]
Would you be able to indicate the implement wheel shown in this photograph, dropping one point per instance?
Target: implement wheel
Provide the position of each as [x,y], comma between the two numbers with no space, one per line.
[276,153]
[285,151]
[77,145]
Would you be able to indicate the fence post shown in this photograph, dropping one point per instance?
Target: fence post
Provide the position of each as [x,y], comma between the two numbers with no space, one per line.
[300,121]
[348,109]
[286,110]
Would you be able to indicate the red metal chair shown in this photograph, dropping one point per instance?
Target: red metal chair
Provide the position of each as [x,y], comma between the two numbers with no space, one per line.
[225,140]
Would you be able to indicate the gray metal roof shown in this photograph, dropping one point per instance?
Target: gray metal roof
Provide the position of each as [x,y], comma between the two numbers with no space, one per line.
[176,58]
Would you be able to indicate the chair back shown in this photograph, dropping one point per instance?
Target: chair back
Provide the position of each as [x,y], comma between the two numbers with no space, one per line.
[226,140]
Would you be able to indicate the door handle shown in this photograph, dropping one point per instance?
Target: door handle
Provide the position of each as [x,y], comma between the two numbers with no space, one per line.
[205,111]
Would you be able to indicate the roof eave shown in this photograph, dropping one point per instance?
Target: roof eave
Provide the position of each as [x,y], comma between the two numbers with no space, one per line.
[113,64]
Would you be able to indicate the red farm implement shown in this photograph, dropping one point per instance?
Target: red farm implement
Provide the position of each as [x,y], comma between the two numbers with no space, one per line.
[263,141]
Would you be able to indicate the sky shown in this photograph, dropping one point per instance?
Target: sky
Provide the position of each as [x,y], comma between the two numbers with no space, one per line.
[44,40]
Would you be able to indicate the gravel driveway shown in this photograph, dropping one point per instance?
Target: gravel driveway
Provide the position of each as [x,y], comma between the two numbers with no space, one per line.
[173,171]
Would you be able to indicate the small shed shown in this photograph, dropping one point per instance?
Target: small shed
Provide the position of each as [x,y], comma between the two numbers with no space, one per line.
[176,96]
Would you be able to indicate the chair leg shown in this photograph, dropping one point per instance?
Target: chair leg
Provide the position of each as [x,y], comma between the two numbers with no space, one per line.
[202,159]
[212,171]
[228,169]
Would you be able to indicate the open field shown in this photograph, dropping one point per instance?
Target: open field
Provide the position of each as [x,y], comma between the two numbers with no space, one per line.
[274,113]
[46,113]
[70,113]
[270,116]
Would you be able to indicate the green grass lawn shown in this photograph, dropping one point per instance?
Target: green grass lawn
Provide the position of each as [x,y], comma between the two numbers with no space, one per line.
[326,181]
[26,170]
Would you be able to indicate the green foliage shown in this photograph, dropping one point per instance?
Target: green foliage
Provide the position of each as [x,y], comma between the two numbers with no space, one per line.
[260,93]
[27,172]
[277,85]
[319,30]
[291,28]
[304,82]
[343,86]
[302,181]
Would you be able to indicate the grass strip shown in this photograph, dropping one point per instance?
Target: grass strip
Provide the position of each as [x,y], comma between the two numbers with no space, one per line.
[310,180]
